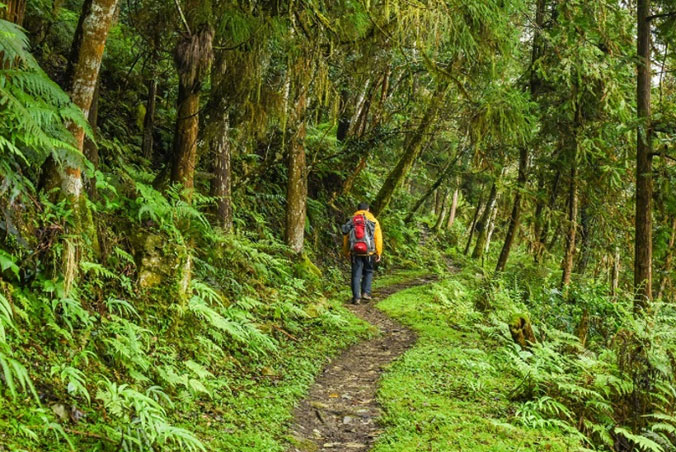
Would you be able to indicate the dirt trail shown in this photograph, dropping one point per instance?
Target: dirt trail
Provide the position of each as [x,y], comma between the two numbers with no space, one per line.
[340,412]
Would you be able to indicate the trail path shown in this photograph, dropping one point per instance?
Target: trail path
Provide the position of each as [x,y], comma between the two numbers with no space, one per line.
[340,412]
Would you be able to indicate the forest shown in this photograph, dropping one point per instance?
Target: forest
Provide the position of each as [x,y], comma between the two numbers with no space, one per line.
[174,175]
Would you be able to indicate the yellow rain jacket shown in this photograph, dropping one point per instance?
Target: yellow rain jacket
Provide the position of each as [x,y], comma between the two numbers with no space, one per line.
[377,235]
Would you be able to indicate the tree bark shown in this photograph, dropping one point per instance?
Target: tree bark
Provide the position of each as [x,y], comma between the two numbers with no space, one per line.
[149,119]
[412,148]
[14,11]
[541,235]
[454,207]
[644,182]
[585,237]
[522,178]
[482,224]
[91,150]
[218,131]
[569,254]
[193,56]
[491,228]
[615,280]
[515,217]
[85,72]
[473,225]
[434,188]
[344,116]
[442,211]
[668,261]
[296,192]
[222,183]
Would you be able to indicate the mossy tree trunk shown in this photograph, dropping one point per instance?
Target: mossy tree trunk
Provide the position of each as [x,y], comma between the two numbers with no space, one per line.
[522,178]
[491,228]
[434,188]
[571,226]
[296,189]
[454,208]
[668,261]
[149,119]
[482,224]
[91,36]
[412,148]
[543,217]
[522,331]
[472,226]
[14,11]
[193,55]
[91,150]
[219,137]
[644,177]
[443,211]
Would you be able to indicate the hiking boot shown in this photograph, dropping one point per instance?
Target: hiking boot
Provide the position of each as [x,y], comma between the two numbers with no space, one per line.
[356,300]
[367,297]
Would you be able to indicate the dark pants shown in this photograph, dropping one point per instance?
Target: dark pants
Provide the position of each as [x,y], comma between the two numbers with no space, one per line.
[362,275]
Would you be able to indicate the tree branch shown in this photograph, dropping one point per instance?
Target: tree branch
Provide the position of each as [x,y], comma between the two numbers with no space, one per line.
[659,16]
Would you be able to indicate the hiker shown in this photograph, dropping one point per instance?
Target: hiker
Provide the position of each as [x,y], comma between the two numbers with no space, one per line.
[363,244]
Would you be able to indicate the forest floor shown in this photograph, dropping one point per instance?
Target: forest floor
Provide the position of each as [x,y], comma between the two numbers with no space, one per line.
[431,380]
[341,410]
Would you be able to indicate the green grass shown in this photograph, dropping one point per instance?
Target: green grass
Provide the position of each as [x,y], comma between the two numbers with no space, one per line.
[450,392]
[256,417]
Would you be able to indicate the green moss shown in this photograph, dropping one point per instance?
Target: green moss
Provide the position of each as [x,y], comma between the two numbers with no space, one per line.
[449,391]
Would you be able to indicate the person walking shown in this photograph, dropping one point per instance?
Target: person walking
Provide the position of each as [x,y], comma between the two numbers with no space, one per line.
[363,245]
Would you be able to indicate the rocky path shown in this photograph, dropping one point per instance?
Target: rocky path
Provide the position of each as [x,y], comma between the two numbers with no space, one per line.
[340,412]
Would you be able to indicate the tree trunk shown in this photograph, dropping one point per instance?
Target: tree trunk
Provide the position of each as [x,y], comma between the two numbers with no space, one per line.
[412,148]
[644,182]
[473,225]
[541,235]
[434,188]
[85,72]
[491,228]
[443,210]
[515,218]
[193,56]
[296,193]
[615,280]
[454,207]
[359,110]
[91,150]
[668,261]
[149,120]
[585,236]
[14,11]
[522,331]
[344,116]
[296,190]
[482,224]
[437,203]
[569,254]
[222,183]
[522,178]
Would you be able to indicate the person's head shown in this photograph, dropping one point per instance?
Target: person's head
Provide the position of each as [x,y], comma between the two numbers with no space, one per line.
[363,206]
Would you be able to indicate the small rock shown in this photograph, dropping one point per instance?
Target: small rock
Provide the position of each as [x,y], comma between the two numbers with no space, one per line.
[60,411]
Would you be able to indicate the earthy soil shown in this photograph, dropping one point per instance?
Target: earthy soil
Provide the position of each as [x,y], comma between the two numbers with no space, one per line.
[340,412]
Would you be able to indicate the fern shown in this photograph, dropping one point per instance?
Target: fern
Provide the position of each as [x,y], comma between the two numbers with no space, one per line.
[640,441]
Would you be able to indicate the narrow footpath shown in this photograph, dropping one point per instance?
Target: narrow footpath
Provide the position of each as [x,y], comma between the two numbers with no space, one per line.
[340,412]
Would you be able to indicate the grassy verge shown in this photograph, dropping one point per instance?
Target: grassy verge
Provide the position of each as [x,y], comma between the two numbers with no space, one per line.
[450,391]
[256,415]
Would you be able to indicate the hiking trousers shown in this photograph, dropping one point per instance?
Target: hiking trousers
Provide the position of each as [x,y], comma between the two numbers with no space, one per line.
[362,275]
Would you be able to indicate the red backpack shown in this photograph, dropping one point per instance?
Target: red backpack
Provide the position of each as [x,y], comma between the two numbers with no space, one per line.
[361,232]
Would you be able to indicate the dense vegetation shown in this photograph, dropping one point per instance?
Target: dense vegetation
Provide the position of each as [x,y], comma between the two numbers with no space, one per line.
[173,176]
